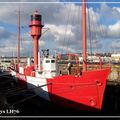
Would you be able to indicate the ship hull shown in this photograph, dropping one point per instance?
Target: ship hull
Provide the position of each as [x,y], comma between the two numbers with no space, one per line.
[83,92]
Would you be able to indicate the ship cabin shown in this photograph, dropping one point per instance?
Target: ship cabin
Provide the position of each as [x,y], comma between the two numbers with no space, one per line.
[48,69]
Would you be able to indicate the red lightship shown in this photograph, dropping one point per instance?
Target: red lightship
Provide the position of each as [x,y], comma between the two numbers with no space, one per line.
[83,92]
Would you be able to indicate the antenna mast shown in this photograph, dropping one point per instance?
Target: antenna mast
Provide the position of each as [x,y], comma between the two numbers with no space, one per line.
[84,46]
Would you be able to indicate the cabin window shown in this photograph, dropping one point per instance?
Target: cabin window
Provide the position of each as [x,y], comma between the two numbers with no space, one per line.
[40,72]
[36,17]
[52,61]
[47,61]
[53,71]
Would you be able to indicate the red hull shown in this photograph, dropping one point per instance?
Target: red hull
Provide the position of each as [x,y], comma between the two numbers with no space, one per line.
[84,92]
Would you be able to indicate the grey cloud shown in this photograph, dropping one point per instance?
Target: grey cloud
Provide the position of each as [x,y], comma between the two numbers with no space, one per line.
[4,34]
[115,44]
[29,0]
[58,15]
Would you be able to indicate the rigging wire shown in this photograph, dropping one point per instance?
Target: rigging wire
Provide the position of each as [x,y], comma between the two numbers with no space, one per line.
[98,28]
[93,27]
[67,40]
[101,29]
[90,33]
[69,37]
[79,26]
[73,22]
[41,46]
[96,34]
[30,41]
[90,29]
[66,29]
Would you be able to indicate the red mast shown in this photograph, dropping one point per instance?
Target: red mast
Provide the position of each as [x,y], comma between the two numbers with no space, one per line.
[19,36]
[35,31]
[84,46]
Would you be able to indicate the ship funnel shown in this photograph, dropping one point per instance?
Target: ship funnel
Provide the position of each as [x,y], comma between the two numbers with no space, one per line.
[35,32]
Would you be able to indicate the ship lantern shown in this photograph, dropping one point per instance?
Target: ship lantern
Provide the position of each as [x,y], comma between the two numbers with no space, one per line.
[35,32]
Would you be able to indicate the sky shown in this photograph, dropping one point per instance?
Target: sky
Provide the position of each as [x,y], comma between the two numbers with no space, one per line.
[62,26]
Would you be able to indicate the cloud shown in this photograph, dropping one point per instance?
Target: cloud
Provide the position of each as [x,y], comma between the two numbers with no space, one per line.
[115,44]
[29,1]
[64,21]
[3,33]
[60,30]
[7,41]
[94,16]
[114,30]
[65,48]
[9,46]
